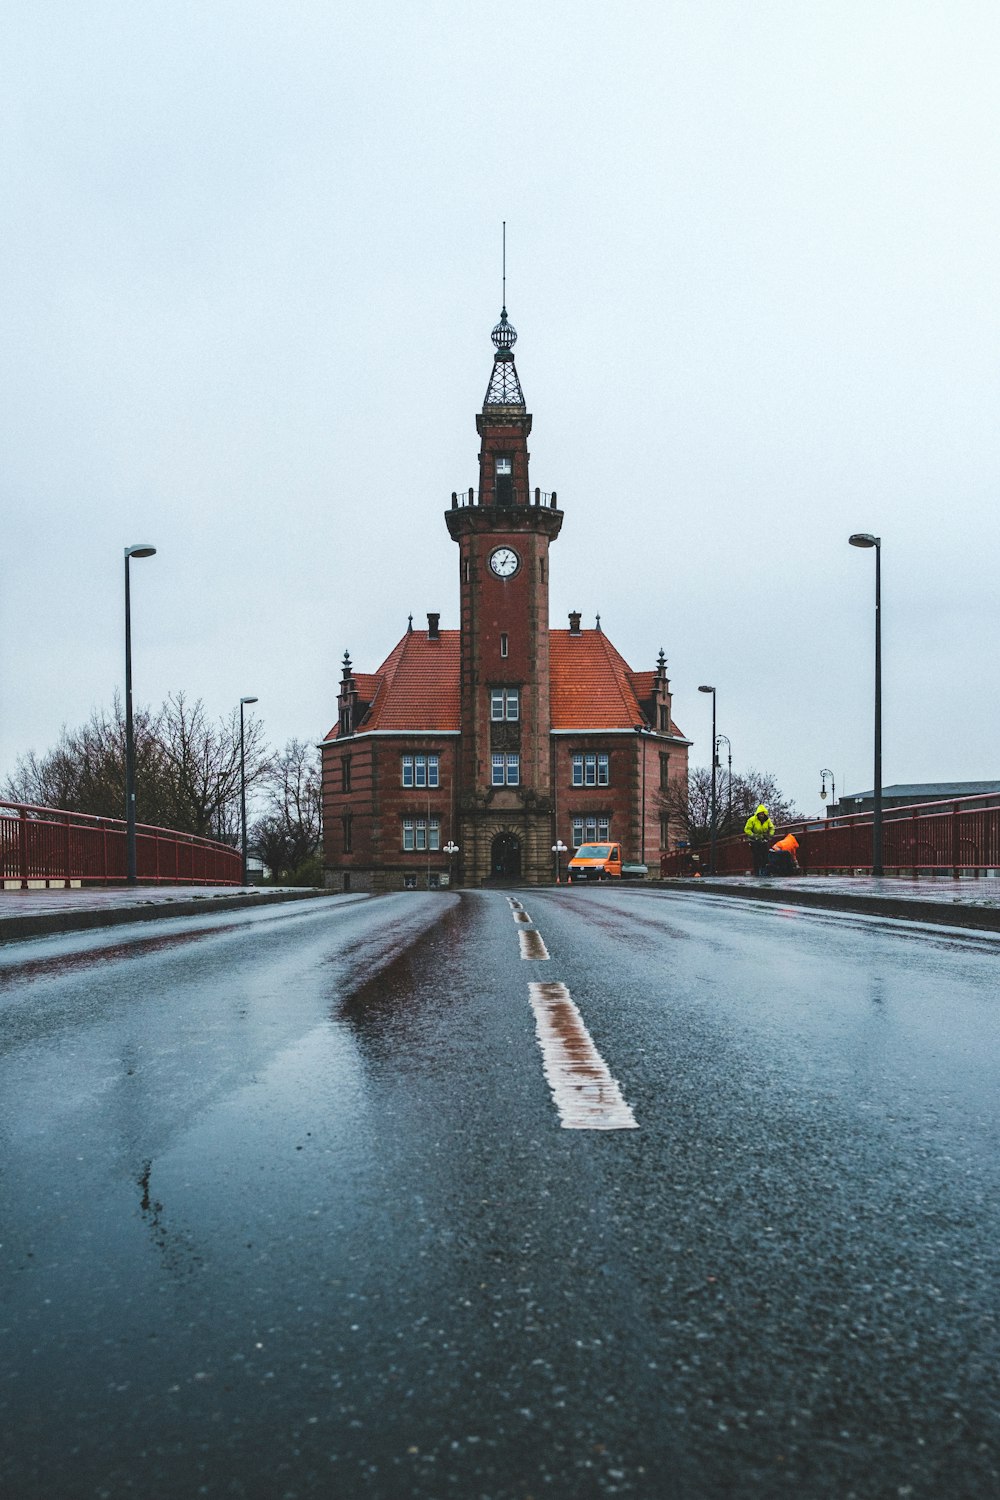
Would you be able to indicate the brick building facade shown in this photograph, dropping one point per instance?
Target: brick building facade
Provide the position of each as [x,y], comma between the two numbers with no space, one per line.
[470,752]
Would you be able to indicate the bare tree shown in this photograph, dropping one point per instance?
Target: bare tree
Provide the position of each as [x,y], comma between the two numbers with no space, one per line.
[688,804]
[202,767]
[85,772]
[187,769]
[289,834]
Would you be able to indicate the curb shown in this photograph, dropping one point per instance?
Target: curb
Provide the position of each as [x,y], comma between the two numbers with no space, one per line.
[901,908]
[80,919]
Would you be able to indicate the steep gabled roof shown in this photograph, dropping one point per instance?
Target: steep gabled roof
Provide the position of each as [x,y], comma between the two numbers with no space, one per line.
[591,684]
[416,687]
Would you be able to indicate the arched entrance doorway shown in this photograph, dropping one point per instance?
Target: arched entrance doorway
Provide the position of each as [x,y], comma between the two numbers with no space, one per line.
[505,857]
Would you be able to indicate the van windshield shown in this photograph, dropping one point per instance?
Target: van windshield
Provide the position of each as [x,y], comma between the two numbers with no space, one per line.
[593,851]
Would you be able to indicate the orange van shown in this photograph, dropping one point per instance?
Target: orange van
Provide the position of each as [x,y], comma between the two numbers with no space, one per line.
[595,862]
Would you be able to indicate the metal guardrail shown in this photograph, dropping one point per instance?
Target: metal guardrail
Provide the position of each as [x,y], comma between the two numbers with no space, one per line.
[464,498]
[927,838]
[46,844]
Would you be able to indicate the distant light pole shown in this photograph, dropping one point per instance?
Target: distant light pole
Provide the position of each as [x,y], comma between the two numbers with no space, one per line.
[243,791]
[559,849]
[141,549]
[451,849]
[729,782]
[711,867]
[833,788]
[865,539]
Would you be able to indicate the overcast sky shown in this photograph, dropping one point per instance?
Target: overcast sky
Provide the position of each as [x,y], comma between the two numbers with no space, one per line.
[251,260]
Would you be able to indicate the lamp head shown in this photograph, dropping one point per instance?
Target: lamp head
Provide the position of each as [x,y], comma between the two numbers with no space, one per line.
[249,700]
[141,549]
[704,689]
[863,539]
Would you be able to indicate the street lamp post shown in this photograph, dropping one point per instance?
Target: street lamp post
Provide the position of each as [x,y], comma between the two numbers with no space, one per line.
[833,787]
[243,791]
[729,778]
[865,539]
[711,865]
[451,849]
[559,849]
[141,549]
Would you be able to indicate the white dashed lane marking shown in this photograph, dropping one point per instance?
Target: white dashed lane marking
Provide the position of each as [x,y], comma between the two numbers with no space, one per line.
[531,944]
[584,1092]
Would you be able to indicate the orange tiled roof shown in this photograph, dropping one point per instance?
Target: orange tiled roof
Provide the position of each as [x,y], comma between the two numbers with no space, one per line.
[417,686]
[590,683]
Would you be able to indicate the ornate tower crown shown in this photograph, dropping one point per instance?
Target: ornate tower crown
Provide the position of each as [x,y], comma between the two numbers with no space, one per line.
[504,388]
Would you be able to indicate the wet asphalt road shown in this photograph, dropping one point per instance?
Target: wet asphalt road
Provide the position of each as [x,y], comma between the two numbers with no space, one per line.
[286,1209]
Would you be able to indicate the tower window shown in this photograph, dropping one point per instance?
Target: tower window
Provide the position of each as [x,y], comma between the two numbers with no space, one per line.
[503,644]
[505,703]
[345,772]
[347,821]
[504,480]
[506,769]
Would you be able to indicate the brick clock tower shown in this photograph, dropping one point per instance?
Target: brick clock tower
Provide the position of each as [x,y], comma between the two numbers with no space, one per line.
[470,753]
[505,805]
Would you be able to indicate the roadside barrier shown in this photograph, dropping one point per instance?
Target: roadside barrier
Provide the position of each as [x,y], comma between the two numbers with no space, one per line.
[47,846]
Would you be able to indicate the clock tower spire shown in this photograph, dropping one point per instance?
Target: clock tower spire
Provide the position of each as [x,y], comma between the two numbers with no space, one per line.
[503,532]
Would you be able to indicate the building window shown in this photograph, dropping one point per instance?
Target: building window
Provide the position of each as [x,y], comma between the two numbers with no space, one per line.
[421,833]
[346,821]
[345,773]
[505,703]
[421,770]
[503,644]
[504,480]
[664,833]
[506,769]
[591,770]
[590,828]
[664,772]
[433,881]
[409,882]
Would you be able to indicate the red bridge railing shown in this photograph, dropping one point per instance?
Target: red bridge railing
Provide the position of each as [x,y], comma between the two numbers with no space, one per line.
[925,839]
[45,844]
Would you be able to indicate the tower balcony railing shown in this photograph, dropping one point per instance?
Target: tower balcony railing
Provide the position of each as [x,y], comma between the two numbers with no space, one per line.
[541,498]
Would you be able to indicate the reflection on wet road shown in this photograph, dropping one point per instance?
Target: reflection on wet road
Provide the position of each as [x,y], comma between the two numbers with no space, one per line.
[288,1209]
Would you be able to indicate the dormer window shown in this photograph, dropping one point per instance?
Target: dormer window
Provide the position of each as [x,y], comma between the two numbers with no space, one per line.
[504,480]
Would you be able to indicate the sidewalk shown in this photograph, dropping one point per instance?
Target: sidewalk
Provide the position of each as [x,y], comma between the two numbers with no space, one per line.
[933,898]
[34,913]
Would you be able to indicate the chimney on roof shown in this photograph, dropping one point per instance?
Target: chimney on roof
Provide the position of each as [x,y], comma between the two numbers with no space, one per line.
[433,633]
[574,622]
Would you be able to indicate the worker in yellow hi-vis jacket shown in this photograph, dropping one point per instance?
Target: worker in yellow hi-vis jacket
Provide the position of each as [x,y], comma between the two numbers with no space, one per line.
[760,831]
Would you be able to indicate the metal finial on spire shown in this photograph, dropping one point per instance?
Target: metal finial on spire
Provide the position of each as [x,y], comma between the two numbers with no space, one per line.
[347,664]
[409,626]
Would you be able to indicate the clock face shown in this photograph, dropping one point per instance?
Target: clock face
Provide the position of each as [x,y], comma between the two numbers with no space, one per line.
[504,562]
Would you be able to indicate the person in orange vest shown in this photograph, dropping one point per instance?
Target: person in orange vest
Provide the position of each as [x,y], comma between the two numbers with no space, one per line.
[783,858]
